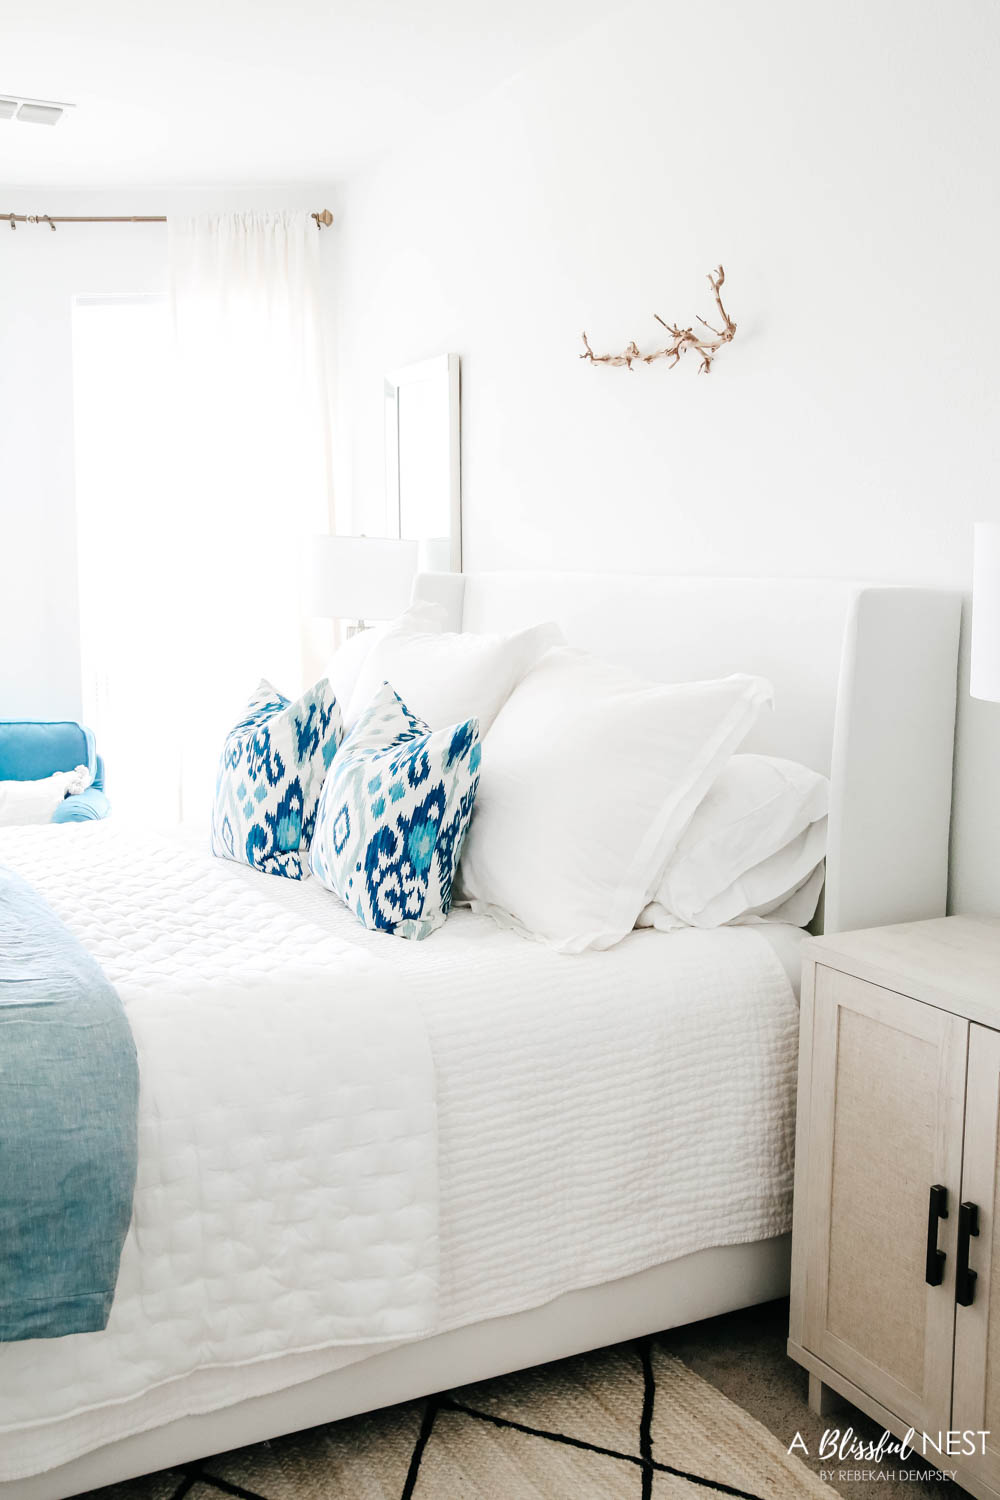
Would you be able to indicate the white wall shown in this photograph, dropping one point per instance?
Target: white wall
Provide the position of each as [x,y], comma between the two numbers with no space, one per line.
[40,274]
[842,162]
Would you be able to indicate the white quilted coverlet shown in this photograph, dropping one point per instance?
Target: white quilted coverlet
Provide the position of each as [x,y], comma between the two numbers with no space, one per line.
[596,1114]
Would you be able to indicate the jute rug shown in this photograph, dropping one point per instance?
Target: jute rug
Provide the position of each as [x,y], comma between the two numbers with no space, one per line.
[622,1422]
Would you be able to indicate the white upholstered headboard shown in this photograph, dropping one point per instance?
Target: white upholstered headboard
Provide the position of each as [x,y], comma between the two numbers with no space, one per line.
[865,685]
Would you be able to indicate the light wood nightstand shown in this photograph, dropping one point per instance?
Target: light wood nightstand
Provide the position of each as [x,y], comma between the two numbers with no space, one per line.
[896,1247]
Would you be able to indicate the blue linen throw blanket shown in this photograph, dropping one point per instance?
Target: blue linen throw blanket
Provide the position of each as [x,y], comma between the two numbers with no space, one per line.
[69,1094]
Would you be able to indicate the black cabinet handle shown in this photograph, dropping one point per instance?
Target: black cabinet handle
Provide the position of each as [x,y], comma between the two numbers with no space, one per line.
[937,1208]
[965,1280]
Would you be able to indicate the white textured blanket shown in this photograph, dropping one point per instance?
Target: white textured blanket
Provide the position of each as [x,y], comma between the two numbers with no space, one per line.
[287,1184]
[596,1114]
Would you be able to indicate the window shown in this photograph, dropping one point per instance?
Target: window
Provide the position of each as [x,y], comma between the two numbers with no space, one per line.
[120,363]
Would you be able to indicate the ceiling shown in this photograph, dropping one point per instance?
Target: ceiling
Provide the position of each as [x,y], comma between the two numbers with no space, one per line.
[244,93]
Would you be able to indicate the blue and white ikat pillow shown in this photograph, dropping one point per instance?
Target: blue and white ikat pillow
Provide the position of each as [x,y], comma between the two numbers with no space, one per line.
[393,817]
[270,776]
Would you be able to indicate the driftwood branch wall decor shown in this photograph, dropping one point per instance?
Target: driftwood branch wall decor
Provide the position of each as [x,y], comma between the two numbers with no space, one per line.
[681,339]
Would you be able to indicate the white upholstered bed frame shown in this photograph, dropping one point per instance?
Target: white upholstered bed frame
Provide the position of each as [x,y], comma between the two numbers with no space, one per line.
[865,687]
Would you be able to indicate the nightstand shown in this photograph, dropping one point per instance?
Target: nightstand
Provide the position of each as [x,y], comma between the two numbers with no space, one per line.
[895,1246]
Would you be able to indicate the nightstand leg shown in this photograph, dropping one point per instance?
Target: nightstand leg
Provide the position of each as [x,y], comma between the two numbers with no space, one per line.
[823,1400]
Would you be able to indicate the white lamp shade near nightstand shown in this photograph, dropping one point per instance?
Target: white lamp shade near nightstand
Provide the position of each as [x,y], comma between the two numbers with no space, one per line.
[359,577]
[984,681]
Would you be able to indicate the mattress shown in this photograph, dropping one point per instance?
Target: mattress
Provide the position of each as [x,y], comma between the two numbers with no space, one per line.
[596,1114]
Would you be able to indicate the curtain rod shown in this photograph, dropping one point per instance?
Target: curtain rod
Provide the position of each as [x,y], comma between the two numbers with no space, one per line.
[323,218]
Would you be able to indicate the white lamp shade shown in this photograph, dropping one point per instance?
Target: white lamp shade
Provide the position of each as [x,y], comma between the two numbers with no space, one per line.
[434,554]
[359,577]
[984,681]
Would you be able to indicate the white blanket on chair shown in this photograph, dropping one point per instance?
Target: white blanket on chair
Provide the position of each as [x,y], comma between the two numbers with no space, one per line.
[36,801]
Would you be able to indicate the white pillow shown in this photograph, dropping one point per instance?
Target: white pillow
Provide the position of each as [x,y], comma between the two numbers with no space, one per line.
[799,908]
[589,777]
[347,662]
[449,677]
[754,840]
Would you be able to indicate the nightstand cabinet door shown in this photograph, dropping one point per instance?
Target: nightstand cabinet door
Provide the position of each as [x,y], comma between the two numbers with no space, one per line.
[886,1105]
[977,1322]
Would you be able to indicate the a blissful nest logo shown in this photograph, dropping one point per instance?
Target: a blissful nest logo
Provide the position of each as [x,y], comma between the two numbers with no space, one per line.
[888,1458]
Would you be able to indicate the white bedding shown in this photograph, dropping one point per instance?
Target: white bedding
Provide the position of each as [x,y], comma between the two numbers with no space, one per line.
[596,1115]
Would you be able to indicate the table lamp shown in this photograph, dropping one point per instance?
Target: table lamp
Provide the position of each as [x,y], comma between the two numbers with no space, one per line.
[359,578]
[984,677]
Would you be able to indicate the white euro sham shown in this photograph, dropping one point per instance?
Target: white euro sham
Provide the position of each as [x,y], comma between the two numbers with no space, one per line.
[448,677]
[348,661]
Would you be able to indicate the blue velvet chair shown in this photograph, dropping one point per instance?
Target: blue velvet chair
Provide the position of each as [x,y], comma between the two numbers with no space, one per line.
[31,749]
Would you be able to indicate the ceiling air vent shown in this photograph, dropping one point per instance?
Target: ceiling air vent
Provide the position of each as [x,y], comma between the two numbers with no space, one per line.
[32,111]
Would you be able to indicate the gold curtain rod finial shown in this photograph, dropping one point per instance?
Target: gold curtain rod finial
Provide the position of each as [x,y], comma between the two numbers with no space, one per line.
[324,218]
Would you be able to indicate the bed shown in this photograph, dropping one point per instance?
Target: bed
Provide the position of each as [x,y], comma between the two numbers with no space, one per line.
[559,1152]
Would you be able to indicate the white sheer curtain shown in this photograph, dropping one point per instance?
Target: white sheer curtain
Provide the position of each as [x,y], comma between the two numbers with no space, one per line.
[250,467]
[122,399]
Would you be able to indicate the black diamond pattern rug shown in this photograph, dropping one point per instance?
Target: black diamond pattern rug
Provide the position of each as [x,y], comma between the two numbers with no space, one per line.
[631,1421]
